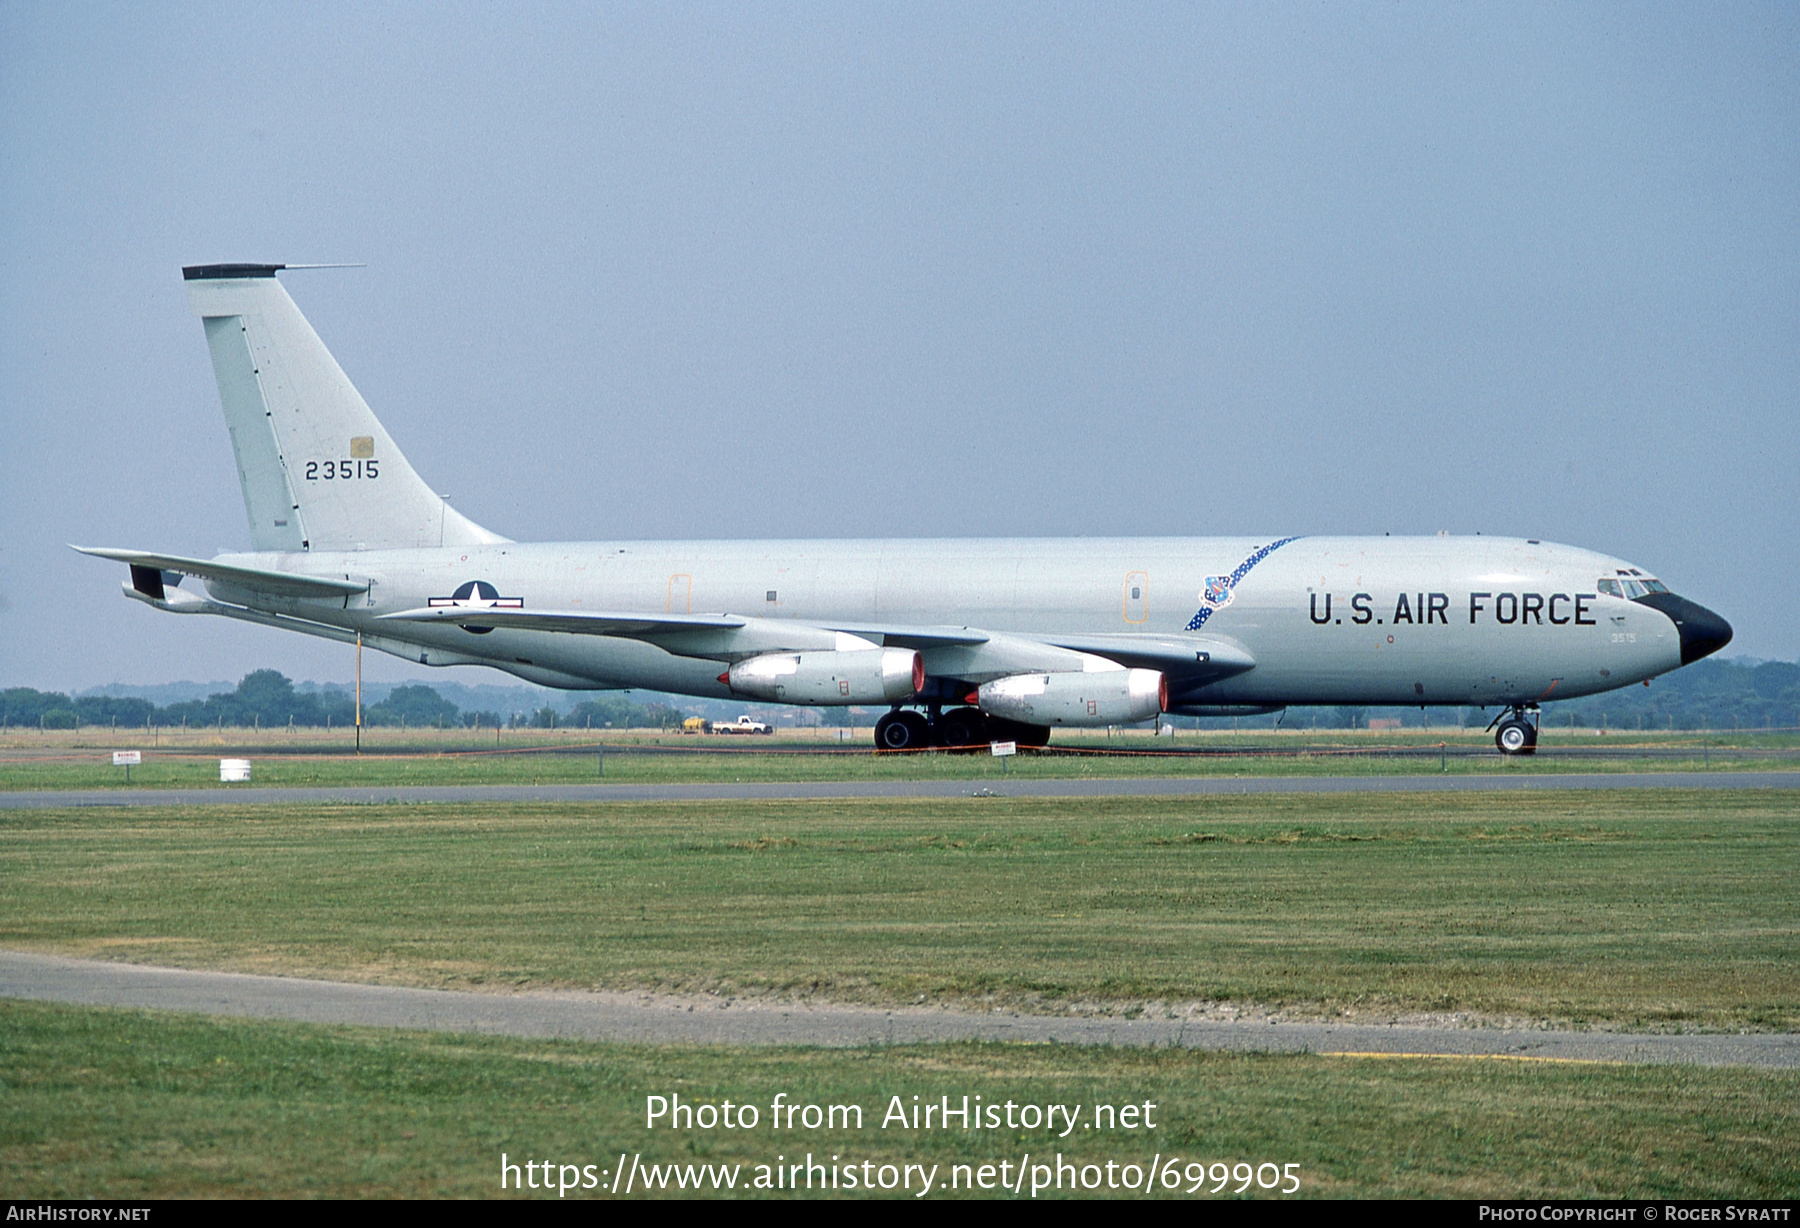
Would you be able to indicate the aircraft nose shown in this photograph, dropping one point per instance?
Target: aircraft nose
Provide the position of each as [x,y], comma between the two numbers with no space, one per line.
[1702,632]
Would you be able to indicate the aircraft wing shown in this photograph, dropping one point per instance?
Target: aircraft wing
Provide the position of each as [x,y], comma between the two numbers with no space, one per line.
[1189,660]
[890,636]
[570,622]
[646,626]
[275,583]
[965,652]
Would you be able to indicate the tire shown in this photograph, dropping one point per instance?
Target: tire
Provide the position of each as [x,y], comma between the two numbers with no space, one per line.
[1515,737]
[963,729]
[902,731]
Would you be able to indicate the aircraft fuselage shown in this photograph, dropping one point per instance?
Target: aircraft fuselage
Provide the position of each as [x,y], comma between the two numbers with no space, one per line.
[1328,620]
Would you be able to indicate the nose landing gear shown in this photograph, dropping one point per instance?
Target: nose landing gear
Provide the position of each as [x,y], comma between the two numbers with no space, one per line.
[1516,730]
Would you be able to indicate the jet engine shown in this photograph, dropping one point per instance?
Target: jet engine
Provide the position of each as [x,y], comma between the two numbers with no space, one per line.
[860,676]
[1099,697]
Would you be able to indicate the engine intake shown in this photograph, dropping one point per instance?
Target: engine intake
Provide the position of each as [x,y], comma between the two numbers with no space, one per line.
[860,676]
[1101,697]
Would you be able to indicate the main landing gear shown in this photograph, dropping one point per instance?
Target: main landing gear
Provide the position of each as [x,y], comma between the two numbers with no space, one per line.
[903,730]
[1516,729]
[959,729]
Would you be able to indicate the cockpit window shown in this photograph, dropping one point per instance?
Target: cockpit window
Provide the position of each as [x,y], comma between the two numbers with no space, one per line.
[1630,587]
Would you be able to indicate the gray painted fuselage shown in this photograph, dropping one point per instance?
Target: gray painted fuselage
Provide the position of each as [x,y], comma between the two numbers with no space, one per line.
[1328,620]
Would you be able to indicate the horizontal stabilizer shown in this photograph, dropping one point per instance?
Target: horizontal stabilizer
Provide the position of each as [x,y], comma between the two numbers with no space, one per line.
[274,583]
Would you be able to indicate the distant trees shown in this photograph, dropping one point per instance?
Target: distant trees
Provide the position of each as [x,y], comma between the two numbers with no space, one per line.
[663,716]
[265,697]
[1709,694]
[415,706]
[610,711]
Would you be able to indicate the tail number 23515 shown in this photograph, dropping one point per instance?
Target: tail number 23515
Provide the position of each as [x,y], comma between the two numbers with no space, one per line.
[341,470]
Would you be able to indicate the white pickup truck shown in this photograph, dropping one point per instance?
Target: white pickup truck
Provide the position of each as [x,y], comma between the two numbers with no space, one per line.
[743,724]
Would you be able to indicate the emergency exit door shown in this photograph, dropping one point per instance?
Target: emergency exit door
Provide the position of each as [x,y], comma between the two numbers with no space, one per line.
[1137,596]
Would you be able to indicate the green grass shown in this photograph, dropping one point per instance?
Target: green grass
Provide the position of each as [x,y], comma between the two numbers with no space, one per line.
[1650,908]
[123,1104]
[398,758]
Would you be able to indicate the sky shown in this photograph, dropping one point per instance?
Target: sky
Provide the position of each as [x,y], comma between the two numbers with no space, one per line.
[671,270]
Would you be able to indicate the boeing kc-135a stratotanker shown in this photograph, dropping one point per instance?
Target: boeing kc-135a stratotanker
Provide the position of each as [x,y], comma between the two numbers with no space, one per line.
[964,640]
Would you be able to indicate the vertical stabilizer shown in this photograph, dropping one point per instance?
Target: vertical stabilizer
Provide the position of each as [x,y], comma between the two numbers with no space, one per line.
[318,470]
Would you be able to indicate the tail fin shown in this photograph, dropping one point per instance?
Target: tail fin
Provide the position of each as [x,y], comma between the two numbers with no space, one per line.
[318,471]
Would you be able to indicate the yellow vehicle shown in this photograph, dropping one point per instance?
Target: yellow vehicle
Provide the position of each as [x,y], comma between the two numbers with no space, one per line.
[696,724]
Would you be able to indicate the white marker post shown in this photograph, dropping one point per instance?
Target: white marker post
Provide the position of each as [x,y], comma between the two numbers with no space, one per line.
[1003,751]
[125,759]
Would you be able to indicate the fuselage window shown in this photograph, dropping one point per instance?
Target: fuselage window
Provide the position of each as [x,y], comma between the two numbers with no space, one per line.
[1609,587]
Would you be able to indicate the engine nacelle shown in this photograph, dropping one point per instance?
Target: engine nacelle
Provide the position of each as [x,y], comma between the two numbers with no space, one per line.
[1100,697]
[861,676]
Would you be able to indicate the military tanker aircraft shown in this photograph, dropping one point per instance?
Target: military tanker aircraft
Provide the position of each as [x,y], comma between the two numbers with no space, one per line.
[965,640]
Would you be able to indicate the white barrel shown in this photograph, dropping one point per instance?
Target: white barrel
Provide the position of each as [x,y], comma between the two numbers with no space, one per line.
[234,771]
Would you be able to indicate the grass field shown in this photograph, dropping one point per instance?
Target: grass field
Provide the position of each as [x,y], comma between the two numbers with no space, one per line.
[82,760]
[126,1104]
[1651,908]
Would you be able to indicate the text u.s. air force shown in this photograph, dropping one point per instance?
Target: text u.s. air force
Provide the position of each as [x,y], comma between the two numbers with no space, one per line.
[1428,609]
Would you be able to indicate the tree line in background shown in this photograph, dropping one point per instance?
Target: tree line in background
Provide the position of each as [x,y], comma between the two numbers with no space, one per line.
[267,699]
[1710,694]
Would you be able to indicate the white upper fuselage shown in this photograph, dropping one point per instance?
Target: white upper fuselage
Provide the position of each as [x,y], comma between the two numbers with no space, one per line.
[1328,620]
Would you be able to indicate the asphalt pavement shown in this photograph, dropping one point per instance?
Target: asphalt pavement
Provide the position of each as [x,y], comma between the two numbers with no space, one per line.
[1193,786]
[665,1019]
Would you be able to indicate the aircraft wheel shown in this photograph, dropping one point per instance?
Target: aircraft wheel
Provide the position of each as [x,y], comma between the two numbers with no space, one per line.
[1515,737]
[963,729]
[900,730]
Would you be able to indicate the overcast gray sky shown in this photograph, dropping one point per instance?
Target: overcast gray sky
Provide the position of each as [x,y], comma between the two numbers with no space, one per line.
[855,270]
